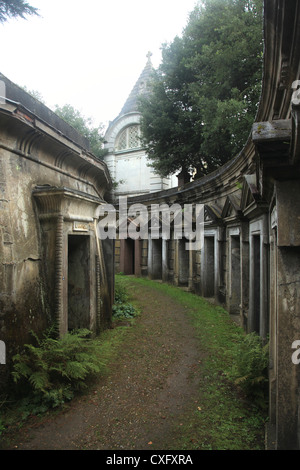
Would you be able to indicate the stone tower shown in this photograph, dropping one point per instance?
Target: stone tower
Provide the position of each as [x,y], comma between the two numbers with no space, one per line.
[126,159]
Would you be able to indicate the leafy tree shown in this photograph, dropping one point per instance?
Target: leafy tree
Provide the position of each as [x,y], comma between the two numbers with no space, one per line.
[15,8]
[206,91]
[85,127]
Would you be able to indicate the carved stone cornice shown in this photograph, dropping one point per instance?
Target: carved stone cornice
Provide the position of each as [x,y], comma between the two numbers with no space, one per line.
[70,203]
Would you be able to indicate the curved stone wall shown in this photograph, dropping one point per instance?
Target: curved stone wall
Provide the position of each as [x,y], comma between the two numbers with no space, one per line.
[250,252]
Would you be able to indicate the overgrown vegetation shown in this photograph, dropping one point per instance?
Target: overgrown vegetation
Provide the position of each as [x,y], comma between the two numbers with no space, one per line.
[48,373]
[85,126]
[52,370]
[250,368]
[232,409]
[122,308]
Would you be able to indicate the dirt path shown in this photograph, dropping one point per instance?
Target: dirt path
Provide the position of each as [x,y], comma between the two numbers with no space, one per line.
[142,402]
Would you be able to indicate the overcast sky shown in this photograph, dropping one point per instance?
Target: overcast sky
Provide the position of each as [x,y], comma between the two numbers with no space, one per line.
[89,54]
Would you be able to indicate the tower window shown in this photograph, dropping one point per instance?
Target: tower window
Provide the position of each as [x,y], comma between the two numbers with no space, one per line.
[129,138]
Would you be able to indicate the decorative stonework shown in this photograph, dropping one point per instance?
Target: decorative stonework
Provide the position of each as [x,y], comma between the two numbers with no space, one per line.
[129,138]
[126,158]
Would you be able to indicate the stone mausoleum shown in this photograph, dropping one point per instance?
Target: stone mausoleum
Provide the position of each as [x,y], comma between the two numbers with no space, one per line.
[126,159]
[54,269]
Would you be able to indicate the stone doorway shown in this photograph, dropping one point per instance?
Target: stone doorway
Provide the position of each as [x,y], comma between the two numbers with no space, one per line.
[209,266]
[256,293]
[78,282]
[157,259]
[235,276]
[128,260]
[183,262]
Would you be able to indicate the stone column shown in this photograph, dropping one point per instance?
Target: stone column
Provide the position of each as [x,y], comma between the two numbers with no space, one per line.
[59,279]
[191,269]
[165,271]
[287,288]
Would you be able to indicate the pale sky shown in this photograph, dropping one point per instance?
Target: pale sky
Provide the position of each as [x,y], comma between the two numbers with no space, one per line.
[89,54]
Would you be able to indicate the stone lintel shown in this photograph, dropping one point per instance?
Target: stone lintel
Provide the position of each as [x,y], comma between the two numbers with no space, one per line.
[72,204]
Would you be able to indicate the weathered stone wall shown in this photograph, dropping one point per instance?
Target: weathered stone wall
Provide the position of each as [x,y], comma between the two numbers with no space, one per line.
[53,269]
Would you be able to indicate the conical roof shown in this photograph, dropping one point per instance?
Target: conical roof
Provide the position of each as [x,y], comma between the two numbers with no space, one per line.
[139,88]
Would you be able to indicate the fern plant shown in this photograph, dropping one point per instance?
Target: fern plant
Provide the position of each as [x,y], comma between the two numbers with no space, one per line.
[121,295]
[250,368]
[54,369]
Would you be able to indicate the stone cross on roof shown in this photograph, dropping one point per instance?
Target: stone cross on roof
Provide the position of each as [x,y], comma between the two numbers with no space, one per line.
[139,88]
[149,55]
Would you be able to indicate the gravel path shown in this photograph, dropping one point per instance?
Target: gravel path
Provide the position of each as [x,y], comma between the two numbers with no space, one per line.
[142,402]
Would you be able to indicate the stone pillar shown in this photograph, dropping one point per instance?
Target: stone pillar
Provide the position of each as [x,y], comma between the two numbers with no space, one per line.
[137,257]
[98,295]
[59,278]
[192,256]
[176,262]
[286,319]
[258,284]
[165,261]
[288,331]
[271,425]
[244,274]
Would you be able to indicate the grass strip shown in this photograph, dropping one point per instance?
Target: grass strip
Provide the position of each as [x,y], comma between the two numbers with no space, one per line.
[224,418]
